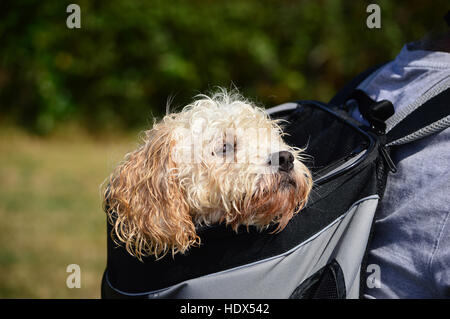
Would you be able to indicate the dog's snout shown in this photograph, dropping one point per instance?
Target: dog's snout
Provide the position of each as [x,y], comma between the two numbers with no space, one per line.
[284,160]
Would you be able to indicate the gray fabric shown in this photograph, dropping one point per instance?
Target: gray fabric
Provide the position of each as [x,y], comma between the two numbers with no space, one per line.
[277,277]
[411,243]
[351,248]
[354,289]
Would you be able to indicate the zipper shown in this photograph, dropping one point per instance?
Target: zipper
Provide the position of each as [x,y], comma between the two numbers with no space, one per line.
[387,158]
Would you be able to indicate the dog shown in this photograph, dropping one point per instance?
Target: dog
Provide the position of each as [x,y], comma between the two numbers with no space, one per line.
[220,160]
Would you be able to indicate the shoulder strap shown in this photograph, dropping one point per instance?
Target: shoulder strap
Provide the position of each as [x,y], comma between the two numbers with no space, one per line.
[427,118]
[430,114]
[345,92]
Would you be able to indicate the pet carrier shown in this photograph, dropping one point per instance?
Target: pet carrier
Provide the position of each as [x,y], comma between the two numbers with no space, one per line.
[321,252]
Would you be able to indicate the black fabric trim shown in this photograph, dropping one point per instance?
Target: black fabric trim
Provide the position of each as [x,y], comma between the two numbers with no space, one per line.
[431,111]
[331,136]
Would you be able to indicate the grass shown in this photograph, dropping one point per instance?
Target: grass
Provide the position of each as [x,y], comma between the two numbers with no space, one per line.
[50,211]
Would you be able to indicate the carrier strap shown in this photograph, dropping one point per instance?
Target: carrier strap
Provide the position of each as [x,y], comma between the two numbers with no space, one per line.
[430,117]
[429,114]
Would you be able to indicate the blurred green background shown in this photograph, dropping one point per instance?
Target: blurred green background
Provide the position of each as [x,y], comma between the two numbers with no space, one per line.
[73,100]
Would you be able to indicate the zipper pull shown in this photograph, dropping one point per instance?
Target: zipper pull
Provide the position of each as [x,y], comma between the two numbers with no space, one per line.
[388,159]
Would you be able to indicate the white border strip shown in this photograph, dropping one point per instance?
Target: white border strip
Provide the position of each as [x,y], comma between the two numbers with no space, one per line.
[282,108]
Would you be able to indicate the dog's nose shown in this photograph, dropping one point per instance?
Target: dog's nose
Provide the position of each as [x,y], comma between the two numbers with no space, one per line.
[284,159]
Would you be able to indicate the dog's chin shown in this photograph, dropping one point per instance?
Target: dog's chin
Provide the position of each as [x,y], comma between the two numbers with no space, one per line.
[286,181]
[275,201]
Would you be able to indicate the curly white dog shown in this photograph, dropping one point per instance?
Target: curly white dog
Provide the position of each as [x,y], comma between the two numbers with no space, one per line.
[220,160]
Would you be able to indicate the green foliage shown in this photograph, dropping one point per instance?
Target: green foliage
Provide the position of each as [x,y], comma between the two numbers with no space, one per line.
[129,57]
[51,201]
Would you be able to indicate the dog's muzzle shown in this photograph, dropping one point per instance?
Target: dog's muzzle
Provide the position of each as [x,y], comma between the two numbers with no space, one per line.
[284,160]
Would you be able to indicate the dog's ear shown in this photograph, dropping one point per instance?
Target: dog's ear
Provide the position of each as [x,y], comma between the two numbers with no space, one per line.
[145,202]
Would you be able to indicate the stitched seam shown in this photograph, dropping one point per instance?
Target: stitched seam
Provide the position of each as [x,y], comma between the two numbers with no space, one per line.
[435,67]
[435,127]
[436,246]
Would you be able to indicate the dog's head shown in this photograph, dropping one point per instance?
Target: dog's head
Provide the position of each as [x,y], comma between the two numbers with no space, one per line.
[220,160]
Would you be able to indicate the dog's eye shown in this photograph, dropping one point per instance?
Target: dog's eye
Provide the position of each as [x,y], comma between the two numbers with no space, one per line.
[227,148]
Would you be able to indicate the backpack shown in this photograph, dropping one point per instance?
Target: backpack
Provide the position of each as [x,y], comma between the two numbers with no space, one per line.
[322,251]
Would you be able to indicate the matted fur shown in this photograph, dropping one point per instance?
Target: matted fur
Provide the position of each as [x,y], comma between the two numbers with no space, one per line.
[201,166]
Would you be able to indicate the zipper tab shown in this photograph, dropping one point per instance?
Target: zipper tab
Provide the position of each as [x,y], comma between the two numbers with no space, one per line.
[388,159]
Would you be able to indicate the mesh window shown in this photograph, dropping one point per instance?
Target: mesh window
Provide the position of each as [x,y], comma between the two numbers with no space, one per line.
[317,130]
[327,283]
